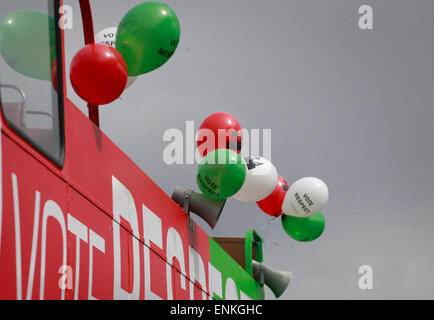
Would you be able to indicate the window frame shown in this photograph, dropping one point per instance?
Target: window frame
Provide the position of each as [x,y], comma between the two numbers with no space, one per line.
[60,98]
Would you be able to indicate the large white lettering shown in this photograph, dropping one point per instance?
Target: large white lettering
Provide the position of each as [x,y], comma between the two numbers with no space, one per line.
[80,231]
[51,209]
[18,252]
[123,206]
[174,250]
[197,272]
[152,232]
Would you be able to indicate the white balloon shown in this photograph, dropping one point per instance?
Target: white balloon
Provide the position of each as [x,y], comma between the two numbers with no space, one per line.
[261,179]
[305,197]
[108,36]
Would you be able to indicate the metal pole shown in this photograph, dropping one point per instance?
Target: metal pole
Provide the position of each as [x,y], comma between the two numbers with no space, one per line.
[89,38]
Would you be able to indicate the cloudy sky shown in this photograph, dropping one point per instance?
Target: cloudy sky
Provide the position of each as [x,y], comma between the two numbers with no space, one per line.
[352,107]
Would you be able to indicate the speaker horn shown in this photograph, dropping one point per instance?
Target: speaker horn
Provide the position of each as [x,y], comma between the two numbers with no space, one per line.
[276,280]
[206,208]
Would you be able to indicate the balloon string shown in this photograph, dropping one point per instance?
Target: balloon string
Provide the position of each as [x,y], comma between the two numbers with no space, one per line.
[279,245]
[267,224]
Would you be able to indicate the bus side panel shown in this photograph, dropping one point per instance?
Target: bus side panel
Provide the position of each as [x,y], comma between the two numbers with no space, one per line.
[33,227]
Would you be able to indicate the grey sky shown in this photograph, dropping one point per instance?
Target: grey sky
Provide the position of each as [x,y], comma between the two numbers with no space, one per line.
[351,107]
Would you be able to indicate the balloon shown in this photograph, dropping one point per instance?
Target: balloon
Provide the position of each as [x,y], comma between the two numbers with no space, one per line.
[305,197]
[228,127]
[221,173]
[272,204]
[261,179]
[98,73]
[108,36]
[304,229]
[29,43]
[148,36]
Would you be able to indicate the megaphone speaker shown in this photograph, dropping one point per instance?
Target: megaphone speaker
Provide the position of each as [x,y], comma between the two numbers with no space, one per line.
[276,280]
[206,208]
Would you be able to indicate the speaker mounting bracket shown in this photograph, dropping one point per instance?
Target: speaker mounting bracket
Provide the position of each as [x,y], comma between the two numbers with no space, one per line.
[187,197]
[258,272]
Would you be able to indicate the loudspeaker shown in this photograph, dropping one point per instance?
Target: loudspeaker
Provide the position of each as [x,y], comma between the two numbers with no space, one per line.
[276,280]
[206,208]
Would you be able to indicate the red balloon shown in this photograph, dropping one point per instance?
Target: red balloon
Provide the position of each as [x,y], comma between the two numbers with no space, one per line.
[98,73]
[230,133]
[272,204]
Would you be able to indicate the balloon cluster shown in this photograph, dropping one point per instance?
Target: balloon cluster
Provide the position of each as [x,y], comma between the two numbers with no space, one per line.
[223,173]
[145,39]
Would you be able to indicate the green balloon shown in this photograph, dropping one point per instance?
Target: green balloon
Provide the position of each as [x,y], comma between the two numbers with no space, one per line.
[147,37]
[304,229]
[221,174]
[28,43]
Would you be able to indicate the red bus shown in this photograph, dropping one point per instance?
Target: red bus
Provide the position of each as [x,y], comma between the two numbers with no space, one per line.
[78,218]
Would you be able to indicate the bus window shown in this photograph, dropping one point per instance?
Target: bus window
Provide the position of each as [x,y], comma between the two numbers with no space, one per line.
[30,90]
